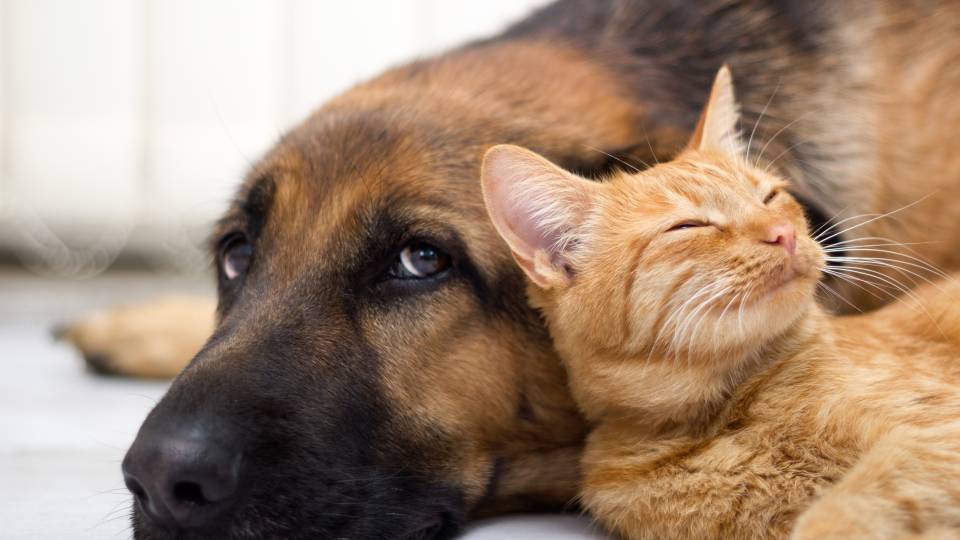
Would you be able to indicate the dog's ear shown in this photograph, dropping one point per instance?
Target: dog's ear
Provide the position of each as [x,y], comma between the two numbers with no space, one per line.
[717,129]
[536,207]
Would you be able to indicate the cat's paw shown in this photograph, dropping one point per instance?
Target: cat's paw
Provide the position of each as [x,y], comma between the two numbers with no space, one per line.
[155,339]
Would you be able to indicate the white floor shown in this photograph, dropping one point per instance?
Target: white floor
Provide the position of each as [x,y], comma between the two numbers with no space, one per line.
[63,431]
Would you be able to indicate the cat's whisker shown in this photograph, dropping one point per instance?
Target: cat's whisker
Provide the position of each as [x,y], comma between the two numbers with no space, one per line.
[674,313]
[887,263]
[896,264]
[878,275]
[756,163]
[746,296]
[682,326]
[697,323]
[912,261]
[863,285]
[725,309]
[907,291]
[717,327]
[813,233]
[762,112]
[691,333]
[834,248]
[669,323]
[818,237]
[887,242]
[833,291]
[780,155]
[830,271]
[902,288]
[611,156]
[649,145]
[881,216]
[853,242]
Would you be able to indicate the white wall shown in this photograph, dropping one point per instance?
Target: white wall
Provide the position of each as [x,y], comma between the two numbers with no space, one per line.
[127,123]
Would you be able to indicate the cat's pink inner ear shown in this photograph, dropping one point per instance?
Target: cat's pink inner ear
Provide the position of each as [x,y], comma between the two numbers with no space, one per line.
[516,187]
[534,205]
[718,128]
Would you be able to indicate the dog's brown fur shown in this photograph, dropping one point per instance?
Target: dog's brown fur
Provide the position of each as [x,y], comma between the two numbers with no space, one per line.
[853,100]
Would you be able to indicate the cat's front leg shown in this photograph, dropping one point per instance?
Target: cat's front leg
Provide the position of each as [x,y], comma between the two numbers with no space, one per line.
[685,488]
[850,517]
[906,487]
[845,516]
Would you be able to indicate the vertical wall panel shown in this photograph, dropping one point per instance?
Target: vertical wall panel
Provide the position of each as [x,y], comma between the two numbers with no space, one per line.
[4,121]
[338,44]
[453,23]
[73,92]
[211,100]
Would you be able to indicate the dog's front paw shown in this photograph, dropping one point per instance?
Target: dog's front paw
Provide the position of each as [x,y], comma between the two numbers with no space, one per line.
[155,339]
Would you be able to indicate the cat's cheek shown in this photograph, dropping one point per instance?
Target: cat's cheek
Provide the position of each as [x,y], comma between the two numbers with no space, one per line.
[808,259]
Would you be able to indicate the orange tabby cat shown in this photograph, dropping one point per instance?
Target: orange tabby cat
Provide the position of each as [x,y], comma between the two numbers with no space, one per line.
[726,402]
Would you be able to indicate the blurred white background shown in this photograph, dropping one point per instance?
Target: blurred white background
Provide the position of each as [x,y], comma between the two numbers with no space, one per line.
[125,125]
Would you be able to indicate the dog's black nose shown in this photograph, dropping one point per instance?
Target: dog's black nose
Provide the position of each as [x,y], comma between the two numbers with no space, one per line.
[182,479]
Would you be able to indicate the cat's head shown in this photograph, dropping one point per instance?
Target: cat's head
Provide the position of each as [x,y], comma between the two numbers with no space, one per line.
[704,254]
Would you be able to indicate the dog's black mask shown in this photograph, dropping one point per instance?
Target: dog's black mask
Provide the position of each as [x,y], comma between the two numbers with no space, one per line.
[255,441]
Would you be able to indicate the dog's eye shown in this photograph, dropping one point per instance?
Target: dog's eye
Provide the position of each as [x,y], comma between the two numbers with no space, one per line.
[689,224]
[770,196]
[419,260]
[235,255]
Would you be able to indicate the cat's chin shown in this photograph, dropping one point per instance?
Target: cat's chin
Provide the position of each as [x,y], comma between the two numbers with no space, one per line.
[783,301]
[789,286]
[795,284]
[780,287]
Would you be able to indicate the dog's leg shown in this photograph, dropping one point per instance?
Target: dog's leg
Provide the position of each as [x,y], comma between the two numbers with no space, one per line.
[155,339]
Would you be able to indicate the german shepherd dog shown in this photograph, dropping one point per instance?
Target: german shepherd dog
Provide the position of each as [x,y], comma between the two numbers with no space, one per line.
[375,370]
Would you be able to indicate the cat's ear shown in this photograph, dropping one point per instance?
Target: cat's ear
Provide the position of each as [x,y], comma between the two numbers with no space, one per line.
[536,207]
[717,128]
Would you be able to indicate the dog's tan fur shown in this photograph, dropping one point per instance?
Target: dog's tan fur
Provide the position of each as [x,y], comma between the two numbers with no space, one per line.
[727,403]
[913,76]
[860,125]
[150,340]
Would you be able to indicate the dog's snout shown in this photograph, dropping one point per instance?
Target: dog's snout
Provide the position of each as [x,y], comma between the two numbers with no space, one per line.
[183,479]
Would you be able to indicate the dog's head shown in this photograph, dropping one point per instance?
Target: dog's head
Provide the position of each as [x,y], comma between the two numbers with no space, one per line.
[376,371]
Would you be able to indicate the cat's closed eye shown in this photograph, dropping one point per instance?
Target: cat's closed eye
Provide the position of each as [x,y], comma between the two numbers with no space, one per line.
[688,224]
[770,196]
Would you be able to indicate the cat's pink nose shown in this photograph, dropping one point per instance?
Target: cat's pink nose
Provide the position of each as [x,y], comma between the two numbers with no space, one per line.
[782,234]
